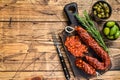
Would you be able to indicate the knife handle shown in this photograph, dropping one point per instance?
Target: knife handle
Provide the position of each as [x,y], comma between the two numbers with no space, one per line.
[65,69]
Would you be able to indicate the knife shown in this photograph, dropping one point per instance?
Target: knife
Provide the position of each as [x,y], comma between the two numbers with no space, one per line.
[63,64]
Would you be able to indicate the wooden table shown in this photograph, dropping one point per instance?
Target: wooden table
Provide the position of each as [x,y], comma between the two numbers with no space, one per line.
[26,45]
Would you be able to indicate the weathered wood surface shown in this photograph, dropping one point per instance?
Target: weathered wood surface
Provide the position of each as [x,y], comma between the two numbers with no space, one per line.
[26,45]
[46,10]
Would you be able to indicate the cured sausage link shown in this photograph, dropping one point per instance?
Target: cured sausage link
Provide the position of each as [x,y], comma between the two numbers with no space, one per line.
[85,67]
[88,40]
[95,63]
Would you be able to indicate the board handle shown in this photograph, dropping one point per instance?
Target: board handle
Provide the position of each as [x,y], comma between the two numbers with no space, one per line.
[71,9]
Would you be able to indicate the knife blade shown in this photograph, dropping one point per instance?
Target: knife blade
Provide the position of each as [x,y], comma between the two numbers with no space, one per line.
[62,61]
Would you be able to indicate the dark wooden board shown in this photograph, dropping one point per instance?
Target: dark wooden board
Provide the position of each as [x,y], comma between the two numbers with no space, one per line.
[78,72]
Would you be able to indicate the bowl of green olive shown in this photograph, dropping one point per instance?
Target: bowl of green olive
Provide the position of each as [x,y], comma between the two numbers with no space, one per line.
[111,30]
[101,10]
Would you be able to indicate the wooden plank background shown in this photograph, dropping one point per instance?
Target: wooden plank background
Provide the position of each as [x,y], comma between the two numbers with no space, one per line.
[26,45]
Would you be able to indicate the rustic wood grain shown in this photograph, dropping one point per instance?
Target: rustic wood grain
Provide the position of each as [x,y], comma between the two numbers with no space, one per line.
[46,10]
[34,39]
[26,45]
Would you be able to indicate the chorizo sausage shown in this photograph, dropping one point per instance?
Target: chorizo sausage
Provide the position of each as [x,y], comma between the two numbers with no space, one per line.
[95,63]
[88,40]
[85,67]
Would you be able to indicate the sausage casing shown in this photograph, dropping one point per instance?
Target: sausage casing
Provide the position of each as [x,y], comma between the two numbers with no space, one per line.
[85,67]
[88,40]
[95,63]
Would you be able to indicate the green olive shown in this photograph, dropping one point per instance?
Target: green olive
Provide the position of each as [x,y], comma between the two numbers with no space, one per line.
[105,5]
[116,27]
[110,23]
[102,13]
[106,30]
[98,9]
[95,13]
[103,16]
[110,37]
[99,15]
[102,10]
[117,34]
[107,10]
[107,15]
[113,30]
[95,7]
[100,4]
